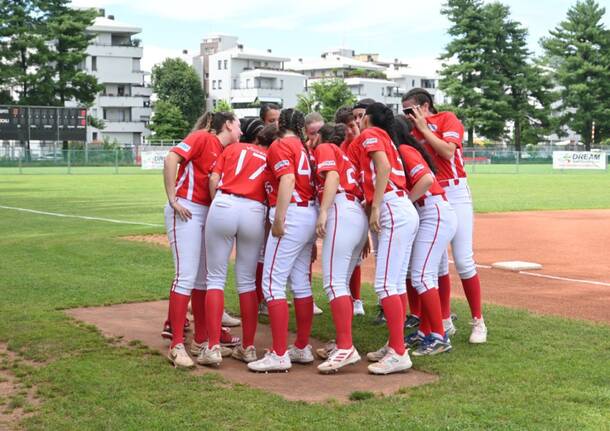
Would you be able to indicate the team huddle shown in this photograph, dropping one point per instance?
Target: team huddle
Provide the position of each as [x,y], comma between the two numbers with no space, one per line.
[371,181]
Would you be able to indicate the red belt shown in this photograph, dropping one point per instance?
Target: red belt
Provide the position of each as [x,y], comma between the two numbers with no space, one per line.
[422,201]
[350,197]
[447,183]
[304,204]
[401,193]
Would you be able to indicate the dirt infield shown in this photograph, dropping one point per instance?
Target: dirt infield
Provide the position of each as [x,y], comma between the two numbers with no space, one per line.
[143,321]
[572,246]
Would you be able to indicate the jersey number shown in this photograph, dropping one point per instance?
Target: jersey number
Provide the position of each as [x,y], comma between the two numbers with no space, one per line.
[240,164]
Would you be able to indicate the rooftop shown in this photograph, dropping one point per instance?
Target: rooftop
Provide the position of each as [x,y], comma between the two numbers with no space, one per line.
[105,24]
[331,62]
[249,53]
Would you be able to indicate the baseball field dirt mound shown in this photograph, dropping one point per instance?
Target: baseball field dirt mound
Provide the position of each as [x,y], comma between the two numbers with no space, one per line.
[143,321]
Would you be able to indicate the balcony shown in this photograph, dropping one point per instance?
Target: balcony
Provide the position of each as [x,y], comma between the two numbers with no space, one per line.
[110,101]
[141,91]
[115,51]
[125,127]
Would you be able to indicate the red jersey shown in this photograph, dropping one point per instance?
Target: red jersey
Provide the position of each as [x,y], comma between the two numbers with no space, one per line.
[345,145]
[416,167]
[242,171]
[330,158]
[288,156]
[199,150]
[445,126]
[369,141]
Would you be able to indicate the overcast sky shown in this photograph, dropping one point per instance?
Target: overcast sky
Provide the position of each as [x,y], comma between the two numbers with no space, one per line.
[414,31]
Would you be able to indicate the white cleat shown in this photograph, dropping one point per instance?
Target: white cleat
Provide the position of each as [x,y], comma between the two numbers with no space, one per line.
[230,321]
[449,327]
[210,356]
[271,363]
[246,355]
[338,359]
[317,310]
[377,355]
[391,363]
[358,308]
[179,357]
[479,331]
[301,356]
[196,349]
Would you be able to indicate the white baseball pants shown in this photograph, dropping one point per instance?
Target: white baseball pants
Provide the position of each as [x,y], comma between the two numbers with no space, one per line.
[461,246]
[346,233]
[437,226]
[187,241]
[399,222]
[289,258]
[234,219]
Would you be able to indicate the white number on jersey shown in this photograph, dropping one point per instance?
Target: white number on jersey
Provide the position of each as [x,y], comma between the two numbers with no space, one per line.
[304,168]
[240,164]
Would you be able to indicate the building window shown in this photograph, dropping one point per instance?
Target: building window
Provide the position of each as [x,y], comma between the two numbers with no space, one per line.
[234,83]
[214,102]
[214,85]
[94,136]
[382,91]
[281,84]
[412,83]
[121,90]
[219,64]
[225,63]
[220,84]
[248,83]
[94,63]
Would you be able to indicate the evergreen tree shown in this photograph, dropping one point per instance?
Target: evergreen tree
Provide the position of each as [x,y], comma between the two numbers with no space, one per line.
[579,50]
[168,123]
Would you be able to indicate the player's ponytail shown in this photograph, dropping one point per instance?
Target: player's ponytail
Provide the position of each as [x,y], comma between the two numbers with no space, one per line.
[291,120]
[420,96]
[402,136]
[203,122]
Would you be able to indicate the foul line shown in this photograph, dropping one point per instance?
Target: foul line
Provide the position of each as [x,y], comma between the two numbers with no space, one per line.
[107,220]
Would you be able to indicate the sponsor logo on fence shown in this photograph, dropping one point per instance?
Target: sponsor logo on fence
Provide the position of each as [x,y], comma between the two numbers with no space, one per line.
[153,159]
[579,160]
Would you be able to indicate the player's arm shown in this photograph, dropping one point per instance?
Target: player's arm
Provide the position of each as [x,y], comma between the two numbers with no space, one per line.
[421,187]
[284,195]
[331,184]
[382,175]
[170,169]
[444,149]
[213,184]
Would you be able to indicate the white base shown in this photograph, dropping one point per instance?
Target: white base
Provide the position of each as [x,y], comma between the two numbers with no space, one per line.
[516,265]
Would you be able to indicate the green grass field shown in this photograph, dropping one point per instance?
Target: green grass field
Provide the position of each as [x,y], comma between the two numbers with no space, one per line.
[535,373]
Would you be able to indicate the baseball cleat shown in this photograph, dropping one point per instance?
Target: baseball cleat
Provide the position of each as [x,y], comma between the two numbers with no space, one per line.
[323,352]
[179,358]
[378,354]
[196,349]
[166,332]
[358,307]
[317,310]
[433,346]
[479,331]
[301,356]
[262,309]
[449,327]
[391,363]
[210,356]
[414,339]
[246,355]
[338,359]
[228,340]
[380,318]
[230,321]
[411,322]
[271,362]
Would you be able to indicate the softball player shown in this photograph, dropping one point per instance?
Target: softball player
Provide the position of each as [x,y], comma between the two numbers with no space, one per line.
[442,134]
[437,226]
[293,216]
[343,225]
[237,215]
[185,215]
[393,222]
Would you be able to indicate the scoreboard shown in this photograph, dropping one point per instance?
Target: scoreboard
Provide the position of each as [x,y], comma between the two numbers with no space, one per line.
[42,123]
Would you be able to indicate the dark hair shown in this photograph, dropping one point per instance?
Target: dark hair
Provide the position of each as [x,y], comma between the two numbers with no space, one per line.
[250,127]
[203,122]
[266,107]
[364,103]
[219,119]
[403,136]
[267,135]
[421,96]
[344,115]
[291,120]
[381,116]
[332,133]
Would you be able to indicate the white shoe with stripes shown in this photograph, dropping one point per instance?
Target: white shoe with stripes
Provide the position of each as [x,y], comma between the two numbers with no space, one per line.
[338,359]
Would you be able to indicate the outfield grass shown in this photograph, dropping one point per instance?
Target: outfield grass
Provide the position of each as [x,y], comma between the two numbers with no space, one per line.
[535,373]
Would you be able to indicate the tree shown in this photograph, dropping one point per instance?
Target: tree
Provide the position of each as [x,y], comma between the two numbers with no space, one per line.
[579,48]
[168,123]
[176,82]
[326,97]
[223,106]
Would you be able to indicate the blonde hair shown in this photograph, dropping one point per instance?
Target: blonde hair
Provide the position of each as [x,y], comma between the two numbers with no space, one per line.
[204,122]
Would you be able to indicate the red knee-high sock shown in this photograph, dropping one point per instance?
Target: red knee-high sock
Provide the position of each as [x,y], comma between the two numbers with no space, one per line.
[424,324]
[248,305]
[278,317]
[303,310]
[178,304]
[444,293]
[214,306]
[472,290]
[259,282]
[354,283]
[414,304]
[392,308]
[431,305]
[198,304]
[342,311]
[404,301]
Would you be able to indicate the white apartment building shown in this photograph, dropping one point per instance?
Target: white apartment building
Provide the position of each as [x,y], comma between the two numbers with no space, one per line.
[407,79]
[124,104]
[364,79]
[245,77]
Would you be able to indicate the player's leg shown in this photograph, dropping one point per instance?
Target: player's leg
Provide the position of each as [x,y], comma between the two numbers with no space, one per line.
[198,296]
[444,291]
